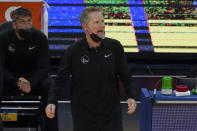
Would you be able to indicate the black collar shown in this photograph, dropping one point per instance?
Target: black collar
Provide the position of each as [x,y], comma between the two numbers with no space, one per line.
[95,49]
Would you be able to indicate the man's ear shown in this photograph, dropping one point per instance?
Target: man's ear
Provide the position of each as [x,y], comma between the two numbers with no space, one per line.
[84,26]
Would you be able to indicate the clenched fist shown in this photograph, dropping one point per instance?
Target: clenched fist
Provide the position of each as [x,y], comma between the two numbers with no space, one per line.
[50,110]
[131,106]
[24,85]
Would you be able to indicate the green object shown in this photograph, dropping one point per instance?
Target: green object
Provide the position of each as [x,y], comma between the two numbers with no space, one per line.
[194,91]
[167,82]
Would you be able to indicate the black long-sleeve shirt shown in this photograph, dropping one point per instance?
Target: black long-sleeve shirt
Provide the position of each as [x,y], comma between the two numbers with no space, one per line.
[95,73]
[24,58]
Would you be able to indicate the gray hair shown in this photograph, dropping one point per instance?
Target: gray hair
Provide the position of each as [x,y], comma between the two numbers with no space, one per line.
[84,17]
[20,12]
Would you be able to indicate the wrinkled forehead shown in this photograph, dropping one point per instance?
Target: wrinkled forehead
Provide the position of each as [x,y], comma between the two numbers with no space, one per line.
[94,16]
[24,18]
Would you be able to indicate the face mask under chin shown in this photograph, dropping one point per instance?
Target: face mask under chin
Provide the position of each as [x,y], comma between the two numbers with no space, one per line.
[25,33]
[95,37]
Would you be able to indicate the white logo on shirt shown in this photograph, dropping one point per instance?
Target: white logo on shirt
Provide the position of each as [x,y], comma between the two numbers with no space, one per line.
[11,48]
[107,55]
[84,59]
[32,47]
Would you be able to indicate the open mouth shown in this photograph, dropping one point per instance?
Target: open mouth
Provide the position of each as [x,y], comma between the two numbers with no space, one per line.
[101,33]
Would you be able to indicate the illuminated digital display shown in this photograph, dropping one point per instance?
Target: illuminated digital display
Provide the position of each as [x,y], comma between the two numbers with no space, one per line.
[158,26]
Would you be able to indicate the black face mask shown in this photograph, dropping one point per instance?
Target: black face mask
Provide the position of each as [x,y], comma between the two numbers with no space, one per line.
[95,37]
[25,33]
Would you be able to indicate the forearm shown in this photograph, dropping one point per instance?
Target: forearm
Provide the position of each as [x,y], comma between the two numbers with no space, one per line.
[9,78]
[130,90]
[55,90]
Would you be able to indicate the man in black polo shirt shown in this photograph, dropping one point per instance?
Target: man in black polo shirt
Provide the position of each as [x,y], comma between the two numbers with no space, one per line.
[95,63]
[25,59]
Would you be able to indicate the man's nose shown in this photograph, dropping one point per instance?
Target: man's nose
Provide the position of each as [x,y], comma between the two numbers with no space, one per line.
[27,26]
[102,24]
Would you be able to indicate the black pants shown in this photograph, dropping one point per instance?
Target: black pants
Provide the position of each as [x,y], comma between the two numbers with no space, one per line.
[41,90]
[87,121]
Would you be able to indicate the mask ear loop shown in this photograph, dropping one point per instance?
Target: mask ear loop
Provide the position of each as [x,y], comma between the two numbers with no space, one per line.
[87,29]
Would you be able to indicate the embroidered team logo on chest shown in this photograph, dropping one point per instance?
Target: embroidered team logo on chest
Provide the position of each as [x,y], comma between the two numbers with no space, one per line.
[11,48]
[85,59]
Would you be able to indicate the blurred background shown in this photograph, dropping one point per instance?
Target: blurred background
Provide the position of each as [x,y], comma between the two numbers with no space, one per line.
[159,38]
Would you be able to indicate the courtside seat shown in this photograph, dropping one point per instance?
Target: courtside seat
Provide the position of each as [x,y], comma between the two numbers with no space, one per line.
[20,111]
